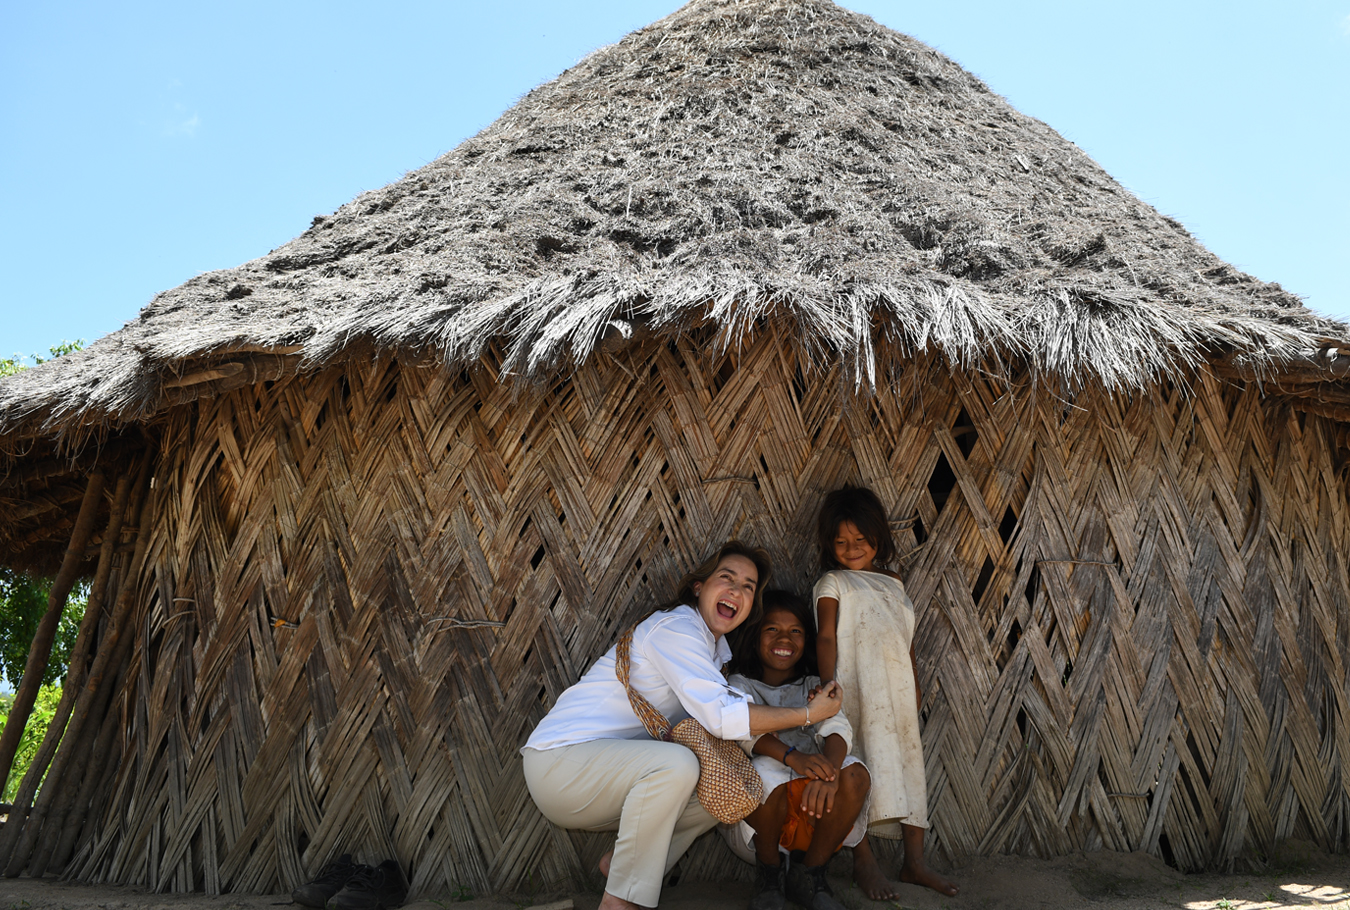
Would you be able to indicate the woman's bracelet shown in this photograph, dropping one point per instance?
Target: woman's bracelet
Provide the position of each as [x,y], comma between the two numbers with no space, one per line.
[808,715]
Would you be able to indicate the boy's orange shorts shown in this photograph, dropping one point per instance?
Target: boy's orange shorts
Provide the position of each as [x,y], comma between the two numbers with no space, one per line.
[799,827]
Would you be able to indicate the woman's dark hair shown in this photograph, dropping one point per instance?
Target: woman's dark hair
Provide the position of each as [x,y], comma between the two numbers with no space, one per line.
[745,640]
[860,506]
[686,594]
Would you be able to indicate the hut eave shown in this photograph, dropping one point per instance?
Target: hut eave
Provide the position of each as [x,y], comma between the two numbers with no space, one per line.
[1068,336]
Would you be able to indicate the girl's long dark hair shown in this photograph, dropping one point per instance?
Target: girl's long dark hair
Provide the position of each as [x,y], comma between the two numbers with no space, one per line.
[862,507]
[745,640]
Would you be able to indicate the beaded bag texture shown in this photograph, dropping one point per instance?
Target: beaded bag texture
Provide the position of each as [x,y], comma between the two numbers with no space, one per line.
[728,785]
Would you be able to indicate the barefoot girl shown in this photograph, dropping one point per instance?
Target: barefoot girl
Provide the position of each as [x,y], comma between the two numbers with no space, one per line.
[590,763]
[866,643]
[816,792]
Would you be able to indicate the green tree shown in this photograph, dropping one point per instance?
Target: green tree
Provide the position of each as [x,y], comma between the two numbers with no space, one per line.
[44,709]
[23,601]
[12,365]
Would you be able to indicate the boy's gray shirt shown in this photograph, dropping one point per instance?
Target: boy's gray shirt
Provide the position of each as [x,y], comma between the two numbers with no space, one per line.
[793,695]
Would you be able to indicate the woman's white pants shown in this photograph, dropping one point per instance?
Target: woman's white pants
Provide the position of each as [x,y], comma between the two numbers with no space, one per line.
[644,789]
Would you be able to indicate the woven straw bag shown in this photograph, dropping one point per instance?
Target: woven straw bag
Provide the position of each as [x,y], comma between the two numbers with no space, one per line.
[728,785]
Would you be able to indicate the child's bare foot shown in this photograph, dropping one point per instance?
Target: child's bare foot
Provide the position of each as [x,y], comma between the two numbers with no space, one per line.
[604,863]
[920,874]
[867,875]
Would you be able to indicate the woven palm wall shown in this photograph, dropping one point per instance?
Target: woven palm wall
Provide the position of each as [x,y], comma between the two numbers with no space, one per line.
[361,589]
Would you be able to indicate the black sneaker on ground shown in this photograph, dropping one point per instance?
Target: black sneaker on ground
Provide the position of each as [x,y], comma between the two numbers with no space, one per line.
[328,882]
[380,888]
[768,894]
[806,886]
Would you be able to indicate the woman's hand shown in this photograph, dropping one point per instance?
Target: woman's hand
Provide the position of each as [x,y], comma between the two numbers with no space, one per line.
[827,702]
[816,767]
[818,797]
[770,718]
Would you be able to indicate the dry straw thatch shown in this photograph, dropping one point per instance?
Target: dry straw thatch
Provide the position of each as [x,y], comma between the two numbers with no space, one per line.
[383,493]
[734,161]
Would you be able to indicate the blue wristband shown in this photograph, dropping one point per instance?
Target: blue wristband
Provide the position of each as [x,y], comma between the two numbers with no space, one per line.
[790,750]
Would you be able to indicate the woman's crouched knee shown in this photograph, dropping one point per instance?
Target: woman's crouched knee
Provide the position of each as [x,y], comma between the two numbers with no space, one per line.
[683,766]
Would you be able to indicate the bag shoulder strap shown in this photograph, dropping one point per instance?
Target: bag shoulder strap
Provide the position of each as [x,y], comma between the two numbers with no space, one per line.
[658,727]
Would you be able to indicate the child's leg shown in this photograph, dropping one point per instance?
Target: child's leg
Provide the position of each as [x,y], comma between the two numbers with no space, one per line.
[767,822]
[806,884]
[915,871]
[831,830]
[867,874]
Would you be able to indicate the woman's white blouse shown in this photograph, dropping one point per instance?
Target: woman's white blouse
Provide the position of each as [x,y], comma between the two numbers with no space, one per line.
[675,661]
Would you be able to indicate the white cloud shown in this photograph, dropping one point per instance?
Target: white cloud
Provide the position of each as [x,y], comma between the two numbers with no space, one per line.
[180,125]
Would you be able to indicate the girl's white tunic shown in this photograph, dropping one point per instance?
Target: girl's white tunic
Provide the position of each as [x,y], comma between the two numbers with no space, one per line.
[873,637]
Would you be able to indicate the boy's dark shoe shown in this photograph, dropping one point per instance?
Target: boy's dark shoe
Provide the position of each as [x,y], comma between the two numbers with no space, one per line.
[806,886]
[328,882]
[768,894]
[380,888]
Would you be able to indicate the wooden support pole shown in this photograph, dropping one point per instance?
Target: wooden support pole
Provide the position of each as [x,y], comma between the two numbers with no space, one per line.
[48,822]
[70,688]
[88,835]
[100,776]
[98,591]
[16,859]
[92,777]
[41,649]
[80,744]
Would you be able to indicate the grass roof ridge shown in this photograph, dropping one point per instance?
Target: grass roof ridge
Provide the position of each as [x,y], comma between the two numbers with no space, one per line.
[738,160]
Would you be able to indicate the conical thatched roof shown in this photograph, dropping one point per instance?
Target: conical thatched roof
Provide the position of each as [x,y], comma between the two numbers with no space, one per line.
[738,160]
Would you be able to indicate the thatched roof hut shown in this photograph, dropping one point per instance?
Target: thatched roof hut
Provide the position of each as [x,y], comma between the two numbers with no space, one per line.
[374,499]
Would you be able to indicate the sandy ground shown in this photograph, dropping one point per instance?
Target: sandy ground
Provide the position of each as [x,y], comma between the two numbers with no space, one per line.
[1299,877]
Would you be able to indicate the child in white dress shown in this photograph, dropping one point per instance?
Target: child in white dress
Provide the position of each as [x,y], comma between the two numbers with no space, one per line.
[866,643]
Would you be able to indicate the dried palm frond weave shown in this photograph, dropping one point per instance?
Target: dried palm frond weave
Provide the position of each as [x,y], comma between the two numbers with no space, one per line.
[358,591]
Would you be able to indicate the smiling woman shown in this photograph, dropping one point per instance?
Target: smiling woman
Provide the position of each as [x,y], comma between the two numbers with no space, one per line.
[591,765]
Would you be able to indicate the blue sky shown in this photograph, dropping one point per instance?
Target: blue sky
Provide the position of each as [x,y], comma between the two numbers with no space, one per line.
[142,143]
